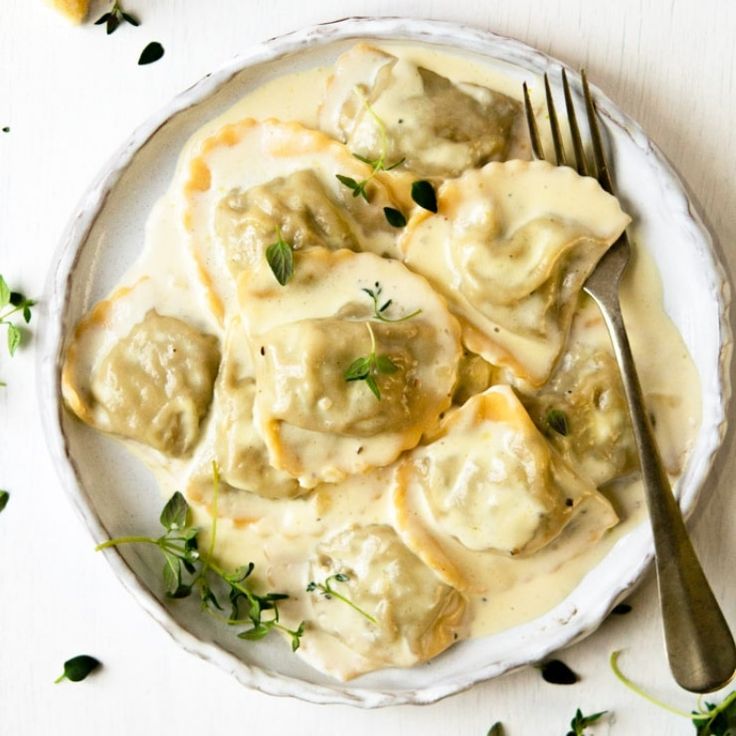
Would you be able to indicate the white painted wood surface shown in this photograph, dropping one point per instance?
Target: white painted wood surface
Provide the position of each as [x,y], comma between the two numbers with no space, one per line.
[70,96]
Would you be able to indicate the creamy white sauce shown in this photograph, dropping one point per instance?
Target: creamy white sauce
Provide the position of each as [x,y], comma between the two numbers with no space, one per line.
[279,536]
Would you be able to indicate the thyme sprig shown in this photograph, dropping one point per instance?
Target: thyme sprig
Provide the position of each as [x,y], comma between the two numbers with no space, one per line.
[379,309]
[580,722]
[368,367]
[187,568]
[12,303]
[115,16]
[359,188]
[711,720]
[329,592]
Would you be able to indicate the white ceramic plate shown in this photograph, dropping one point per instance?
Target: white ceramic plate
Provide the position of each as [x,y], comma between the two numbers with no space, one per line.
[115,494]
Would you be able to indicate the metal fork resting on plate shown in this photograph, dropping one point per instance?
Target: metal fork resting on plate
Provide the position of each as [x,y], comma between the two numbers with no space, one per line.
[699,644]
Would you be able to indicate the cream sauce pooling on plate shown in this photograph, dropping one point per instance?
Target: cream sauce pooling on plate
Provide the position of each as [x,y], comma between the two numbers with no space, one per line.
[388,505]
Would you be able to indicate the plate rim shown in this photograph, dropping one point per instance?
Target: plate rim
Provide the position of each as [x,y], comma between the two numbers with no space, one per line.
[52,333]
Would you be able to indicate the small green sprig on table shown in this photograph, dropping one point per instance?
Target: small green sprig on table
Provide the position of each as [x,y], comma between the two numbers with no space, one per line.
[187,568]
[78,668]
[13,303]
[710,719]
[580,722]
[115,16]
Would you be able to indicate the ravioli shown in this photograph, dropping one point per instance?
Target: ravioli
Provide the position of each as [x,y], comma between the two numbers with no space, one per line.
[251,179]
[510,249]
[596,435]
[490,482]
[239,450]
[318,426]
[153,385]
[416,615]
[437,127]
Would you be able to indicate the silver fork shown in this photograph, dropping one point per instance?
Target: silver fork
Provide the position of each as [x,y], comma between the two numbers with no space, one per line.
[700,647]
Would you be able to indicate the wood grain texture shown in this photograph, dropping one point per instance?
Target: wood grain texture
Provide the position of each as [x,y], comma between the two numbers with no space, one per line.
[70,96]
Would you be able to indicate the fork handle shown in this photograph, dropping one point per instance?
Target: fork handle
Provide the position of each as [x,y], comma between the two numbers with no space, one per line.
[700,647]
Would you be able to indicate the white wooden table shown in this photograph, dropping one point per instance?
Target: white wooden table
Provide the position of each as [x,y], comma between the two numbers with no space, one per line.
[70,96]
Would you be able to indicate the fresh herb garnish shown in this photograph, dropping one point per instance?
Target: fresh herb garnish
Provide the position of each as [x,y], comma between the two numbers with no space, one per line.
[78,668]
[580,722]
[422,192]
[557,672]
[6,129]
[394,217]
[379,164]
[621,609]
[329,592]
[4,498]
[379,309]
[496,729]
[153,52]
[366,368]
[557,421]
[713,720]
[12,302]
[187,568]
[115,16]
[280,257]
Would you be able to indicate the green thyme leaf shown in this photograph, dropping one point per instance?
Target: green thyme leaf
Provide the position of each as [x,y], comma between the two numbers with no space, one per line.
[78,668]
[12,303]
[175,514]
[621,609]
[115,17]
[384,364]
[580,722]
[153,52]
[132,19]
[496,729]
[394,165]
[370,381]
[6,129]
[394,217]
[256,633]
[557,421]
[557,672]
[4,498]
[280,257]
[4,293]
[422,192]
[359,369]
[348,181]
[367,367]
[14,338]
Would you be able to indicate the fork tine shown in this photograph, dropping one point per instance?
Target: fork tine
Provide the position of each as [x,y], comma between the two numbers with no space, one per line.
[531,122]
[554,124]
[602,173]
[577,141]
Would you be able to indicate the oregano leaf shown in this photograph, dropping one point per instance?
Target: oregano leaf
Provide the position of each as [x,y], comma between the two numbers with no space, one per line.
[78,668]
[422,192]
[153,52]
